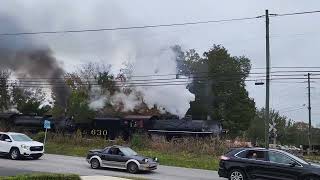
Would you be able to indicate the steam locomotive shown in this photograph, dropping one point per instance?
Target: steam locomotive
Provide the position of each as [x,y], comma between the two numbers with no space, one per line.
[112,127]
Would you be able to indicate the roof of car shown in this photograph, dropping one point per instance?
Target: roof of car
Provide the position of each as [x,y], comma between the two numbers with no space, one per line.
[10,133]
[256,148]
[115,146]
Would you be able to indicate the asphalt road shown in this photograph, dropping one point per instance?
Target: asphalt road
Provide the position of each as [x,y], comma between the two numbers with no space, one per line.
[76,165]
[4,171]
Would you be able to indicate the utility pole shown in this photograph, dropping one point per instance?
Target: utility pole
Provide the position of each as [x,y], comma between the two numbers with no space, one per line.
[309,111]
[267,81]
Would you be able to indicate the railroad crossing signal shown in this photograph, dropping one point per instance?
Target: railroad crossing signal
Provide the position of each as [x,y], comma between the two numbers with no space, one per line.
[272,127]
[273,131]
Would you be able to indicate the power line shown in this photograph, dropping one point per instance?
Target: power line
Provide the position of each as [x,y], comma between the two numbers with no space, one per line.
[128,83]
[197,79]
[216,76]
[186,79]
[295,13]
[154,26]
[294,109]
[127,28]
[295,67]
[196,73]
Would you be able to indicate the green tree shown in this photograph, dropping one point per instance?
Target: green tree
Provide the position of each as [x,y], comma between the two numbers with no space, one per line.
[256,131]
[4,90]
[78,107]
[220,89]
[29,100]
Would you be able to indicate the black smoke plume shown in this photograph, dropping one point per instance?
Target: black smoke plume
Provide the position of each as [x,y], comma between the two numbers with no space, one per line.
[31,61]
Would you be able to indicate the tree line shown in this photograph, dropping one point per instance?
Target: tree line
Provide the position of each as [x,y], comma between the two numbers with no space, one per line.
[218,81]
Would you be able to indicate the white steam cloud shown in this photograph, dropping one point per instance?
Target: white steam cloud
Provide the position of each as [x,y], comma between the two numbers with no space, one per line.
[97,99]
[165,93]
[170,94]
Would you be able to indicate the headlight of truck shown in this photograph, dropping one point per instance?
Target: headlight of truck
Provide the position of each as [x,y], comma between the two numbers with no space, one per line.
[25,147]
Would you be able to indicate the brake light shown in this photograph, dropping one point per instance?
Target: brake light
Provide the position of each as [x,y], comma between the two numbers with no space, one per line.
[224,158]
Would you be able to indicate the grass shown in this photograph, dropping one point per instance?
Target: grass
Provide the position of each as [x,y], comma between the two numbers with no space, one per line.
[185,152]
[181,159]
[200,153]
[43,177]
[184,159]
[66,149]
[312,158]
[133,178]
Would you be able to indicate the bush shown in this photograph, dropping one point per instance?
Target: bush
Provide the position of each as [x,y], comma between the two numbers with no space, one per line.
[4,125]
[42,177]
[39,136]
[205,146]
[139,141]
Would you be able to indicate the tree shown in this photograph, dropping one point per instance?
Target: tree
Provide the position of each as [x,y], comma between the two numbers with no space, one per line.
[78,107]
[256,131]
[29,100]
[220,89]
[4,90]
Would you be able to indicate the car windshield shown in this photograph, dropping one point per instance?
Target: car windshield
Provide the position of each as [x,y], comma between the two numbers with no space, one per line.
[20,137]
[128,151]
[295,158]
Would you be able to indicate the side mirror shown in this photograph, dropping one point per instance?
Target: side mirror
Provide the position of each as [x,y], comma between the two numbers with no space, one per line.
[293,164]
[7,140]
[121,154]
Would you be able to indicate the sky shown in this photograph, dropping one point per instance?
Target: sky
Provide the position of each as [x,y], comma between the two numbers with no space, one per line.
[295,40]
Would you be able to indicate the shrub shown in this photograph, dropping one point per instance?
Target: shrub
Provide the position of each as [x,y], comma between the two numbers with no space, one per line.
[207,146]
[4,125]
[39,136]
[139,141]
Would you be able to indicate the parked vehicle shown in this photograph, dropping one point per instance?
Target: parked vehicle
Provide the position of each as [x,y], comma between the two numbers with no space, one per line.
[120,157]
[17,145]
[260,163]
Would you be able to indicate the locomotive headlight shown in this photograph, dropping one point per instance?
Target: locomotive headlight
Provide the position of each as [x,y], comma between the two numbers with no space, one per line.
[25,147]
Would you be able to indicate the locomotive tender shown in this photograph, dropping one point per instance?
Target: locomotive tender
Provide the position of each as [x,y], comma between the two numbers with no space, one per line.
[112,127]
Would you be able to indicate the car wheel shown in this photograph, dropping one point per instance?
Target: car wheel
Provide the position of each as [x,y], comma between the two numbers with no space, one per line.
[14,154]
[237,174]
[132,168]
[95,164]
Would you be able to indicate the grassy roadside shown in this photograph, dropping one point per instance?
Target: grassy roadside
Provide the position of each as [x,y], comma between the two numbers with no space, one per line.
[42,176]
[314,159]
[180,159]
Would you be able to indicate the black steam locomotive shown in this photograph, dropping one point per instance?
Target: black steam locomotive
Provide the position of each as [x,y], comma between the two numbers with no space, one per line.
[112,127]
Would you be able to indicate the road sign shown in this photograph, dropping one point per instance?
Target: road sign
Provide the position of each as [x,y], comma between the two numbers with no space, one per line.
[47,124]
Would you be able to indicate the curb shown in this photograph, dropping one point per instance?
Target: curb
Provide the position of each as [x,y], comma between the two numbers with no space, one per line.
[101,178]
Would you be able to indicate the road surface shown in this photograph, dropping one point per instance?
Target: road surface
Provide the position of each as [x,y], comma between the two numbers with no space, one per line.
[77,165]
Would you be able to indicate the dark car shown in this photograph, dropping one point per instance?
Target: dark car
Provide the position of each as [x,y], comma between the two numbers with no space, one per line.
[121,157]
[260,163]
